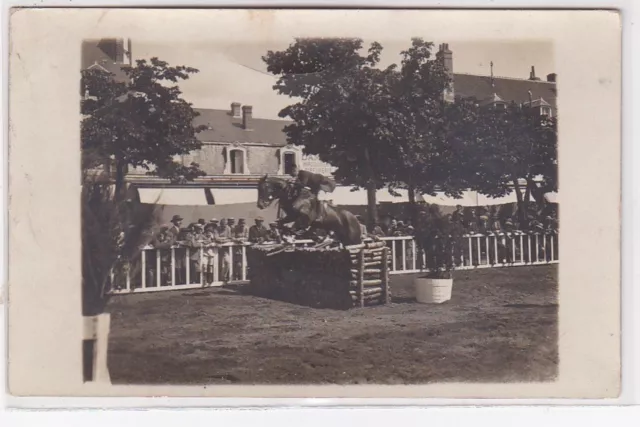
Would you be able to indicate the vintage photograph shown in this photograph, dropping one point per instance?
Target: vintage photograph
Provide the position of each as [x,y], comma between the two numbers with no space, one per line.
[320,211]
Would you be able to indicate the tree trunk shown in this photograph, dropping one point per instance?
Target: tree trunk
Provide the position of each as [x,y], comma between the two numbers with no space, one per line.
[121,170]
[527,193]
[372,208]
[413,208]
[538,195]
[521,204]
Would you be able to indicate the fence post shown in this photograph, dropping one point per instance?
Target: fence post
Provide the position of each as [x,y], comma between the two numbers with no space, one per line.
[173,266]
[230,249]
[521,250]
[385,274]
[127,266]
[414,252]
[393,255]
[244,262]
[361,276]
[96,330]
[216,261]
[202,268]
[158,267]
[187,262]
[144,268]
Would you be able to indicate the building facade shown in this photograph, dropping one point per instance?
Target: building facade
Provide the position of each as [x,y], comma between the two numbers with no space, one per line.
[238,149]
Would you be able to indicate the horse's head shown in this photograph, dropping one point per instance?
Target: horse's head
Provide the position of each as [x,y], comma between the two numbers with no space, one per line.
[267,189]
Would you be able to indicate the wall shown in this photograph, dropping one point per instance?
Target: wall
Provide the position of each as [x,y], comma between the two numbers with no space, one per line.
[259,160]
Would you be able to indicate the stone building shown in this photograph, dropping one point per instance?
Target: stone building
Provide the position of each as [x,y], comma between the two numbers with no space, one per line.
[238,148]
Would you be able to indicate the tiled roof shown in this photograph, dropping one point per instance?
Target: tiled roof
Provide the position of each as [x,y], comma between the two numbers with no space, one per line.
[225,128]
[509,89]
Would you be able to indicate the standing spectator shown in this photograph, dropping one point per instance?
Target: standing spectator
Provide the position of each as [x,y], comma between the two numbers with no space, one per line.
[458,215]
[240,235]
[400,229]
[548,223]
[483,224]
[258,232]
[509,228]
[393,225]
[377,231]
[241,232]
[223,235]
[231,222]
[174,227]
[471,221]
[214,222]
[409,230]
[202,222]
[210,252]
[457,237]
[175,233]
[273,234]
[496,230]
[162,241]
[195,244]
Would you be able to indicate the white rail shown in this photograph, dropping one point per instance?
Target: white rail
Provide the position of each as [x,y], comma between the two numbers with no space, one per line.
[188,268]
[479,251]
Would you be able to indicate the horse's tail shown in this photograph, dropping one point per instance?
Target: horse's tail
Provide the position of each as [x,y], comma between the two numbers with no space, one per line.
[351,228]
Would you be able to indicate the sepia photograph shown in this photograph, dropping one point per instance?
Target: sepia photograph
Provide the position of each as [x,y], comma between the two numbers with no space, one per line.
[333,210]
[283,202]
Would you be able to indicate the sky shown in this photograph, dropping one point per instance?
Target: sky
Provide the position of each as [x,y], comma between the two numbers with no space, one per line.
[232,72]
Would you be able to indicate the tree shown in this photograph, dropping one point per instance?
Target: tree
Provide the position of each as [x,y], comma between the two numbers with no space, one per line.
[142,123]
[341,113]
[427,156]
[514,145]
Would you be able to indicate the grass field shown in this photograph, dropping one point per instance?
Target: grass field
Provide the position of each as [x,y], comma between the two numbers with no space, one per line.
[500,325]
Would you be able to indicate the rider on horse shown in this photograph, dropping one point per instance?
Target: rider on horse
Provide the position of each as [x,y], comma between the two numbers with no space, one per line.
[312,181]
[301,206]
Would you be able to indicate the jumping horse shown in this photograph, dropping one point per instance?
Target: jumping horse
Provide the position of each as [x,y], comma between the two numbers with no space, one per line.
[303,208]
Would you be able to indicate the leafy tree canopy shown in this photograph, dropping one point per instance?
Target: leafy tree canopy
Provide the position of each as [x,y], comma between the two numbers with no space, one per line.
[510,145]
[143,122]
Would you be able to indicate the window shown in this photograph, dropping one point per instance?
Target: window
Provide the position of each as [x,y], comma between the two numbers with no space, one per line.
[288,157]
[545,111]
[500,106]
[236,158]
[289,160]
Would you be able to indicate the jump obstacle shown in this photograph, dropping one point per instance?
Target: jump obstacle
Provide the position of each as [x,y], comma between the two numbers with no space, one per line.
[343,278]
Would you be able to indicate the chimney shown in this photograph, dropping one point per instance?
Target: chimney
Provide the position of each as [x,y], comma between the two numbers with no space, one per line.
[551,77]
[447,57]
[532,74]
[247,112]
[235,109]
[119,59]
[129,54]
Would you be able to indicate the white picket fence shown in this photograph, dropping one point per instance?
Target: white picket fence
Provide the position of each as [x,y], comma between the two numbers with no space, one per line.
[179,267]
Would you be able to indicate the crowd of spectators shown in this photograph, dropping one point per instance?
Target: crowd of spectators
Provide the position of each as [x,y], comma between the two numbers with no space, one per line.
[211,236]
[474,220]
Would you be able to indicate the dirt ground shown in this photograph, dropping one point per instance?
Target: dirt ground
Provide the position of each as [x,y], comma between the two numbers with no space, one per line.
[500,325]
